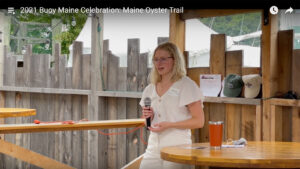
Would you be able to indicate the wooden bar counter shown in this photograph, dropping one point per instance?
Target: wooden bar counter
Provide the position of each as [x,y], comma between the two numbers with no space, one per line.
[16,112]
[253,155]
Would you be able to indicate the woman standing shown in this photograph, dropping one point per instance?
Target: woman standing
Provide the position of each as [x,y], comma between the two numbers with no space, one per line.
[176,106]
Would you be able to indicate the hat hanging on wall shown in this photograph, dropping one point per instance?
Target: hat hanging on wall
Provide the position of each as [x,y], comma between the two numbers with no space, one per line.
[252,85]
[233,85]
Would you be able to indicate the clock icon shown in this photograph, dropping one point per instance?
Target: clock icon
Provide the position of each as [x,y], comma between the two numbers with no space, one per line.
[273,10]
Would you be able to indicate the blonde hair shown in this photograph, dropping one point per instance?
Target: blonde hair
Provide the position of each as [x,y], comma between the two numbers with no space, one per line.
[179,64]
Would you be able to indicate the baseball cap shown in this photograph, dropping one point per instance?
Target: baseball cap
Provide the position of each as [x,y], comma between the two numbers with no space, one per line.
[252,85]
[233,85]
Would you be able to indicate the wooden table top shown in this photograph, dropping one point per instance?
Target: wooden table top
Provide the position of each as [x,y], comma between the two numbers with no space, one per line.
[16,112]
[84,125]
[253,155]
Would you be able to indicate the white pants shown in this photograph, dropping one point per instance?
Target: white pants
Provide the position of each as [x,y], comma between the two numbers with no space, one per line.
[156,141]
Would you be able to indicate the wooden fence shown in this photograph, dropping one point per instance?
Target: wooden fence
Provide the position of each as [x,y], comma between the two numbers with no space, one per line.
[68,93]
[63,93]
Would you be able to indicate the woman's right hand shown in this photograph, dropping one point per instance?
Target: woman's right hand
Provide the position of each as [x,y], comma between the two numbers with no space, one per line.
[148,112]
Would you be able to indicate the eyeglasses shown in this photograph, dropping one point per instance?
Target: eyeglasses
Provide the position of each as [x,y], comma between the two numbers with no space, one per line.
[162,60]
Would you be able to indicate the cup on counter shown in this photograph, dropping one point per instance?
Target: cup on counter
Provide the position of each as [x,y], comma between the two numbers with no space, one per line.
[215,134]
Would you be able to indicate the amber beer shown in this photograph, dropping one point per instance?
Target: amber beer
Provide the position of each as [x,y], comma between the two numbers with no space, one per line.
[215,134]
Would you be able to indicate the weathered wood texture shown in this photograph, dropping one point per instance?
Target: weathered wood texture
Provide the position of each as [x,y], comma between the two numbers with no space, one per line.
[242,116]
[64,93]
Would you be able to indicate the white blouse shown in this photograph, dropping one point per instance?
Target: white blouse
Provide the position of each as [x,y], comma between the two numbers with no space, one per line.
[172,105]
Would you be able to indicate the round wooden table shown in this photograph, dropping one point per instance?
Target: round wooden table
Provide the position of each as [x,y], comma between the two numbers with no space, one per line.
[253,155]
[16,112]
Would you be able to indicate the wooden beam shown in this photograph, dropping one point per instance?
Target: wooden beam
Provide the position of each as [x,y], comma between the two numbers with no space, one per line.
[177,31]
[59,126]
[268,53]
[30,156]
[45,90]
[206,13]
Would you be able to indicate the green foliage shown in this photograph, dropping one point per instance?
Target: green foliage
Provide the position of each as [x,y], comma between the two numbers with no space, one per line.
[35,31]
[235,25]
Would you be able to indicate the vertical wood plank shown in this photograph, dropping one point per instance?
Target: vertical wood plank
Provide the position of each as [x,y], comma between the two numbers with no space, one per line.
[9,76]
[26,97]
[9,80]
[77,66]
[142,83]
[67,135]
[133,54]
[56,64]
[86,84]
[234,64]
[104,63]
[67,115]
[204,135]
[96,84]
[27,66]
[121,114]
[76,103]
[248,122]
[86,72]
[103,151]
[10,101]
[258,123]
[283,77]
[284,61]
[39,142]
[62,71]
[19,76]
[2,104]
[217,66]
[177,31]
[113,67]
[217,54]
[268,55]
[296,88]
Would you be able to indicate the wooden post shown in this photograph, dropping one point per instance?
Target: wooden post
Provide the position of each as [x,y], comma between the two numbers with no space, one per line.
[76,102]
[133,54]
[96,85]
[113,67]
[296,88]
[217,66]
[86,84]
[121,109]
[268,55]
[142,83]
[5,29]
[177,31]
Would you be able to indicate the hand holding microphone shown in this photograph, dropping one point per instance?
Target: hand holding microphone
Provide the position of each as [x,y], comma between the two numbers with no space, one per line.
[147,111]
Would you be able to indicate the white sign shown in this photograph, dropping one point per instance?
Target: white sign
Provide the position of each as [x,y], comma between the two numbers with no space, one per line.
[210,84]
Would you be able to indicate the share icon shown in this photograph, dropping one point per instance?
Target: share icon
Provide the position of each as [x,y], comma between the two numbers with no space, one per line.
[290,10]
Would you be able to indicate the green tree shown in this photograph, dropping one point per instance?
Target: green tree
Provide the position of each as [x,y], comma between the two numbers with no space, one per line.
[66,38]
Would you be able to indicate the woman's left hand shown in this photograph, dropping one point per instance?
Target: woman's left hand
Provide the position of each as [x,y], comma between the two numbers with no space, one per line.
[159,127]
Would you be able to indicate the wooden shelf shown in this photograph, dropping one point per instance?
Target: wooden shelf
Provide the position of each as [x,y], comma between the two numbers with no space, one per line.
[232,100]
[285,102]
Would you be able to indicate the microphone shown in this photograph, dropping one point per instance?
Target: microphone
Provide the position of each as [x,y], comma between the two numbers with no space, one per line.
[147,103]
